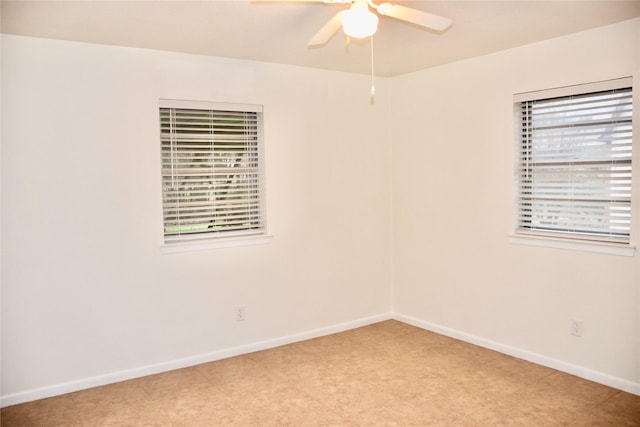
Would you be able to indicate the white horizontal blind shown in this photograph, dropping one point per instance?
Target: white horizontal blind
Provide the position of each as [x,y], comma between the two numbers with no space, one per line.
[574,165]
[211,177]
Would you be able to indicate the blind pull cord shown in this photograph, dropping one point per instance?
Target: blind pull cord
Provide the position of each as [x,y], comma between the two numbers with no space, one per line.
[172,127]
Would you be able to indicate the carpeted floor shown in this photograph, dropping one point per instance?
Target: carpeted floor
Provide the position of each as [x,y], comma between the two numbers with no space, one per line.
[385,374]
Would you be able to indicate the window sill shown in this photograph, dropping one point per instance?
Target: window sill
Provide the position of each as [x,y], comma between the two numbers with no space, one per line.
[229,242]
[584,246]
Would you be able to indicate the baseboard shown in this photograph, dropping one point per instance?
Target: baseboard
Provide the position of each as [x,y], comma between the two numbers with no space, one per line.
[579,371]
[82,384]
[85,383]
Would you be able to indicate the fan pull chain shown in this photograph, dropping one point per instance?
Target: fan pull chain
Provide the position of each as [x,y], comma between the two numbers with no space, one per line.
[373,86]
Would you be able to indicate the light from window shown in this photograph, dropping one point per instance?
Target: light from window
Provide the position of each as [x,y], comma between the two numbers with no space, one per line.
[211,170]
[574,162]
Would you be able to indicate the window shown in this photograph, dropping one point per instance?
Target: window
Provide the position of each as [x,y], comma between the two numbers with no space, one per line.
[574,162]
[211,170]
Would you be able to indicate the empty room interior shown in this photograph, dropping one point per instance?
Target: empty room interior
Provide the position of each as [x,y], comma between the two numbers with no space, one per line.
[384,190]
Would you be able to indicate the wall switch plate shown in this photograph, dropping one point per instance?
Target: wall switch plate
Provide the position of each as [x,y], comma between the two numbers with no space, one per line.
[240,314]
[576,327]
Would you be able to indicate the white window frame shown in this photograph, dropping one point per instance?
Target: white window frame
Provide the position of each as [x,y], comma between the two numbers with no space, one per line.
[188,221]
[613,243]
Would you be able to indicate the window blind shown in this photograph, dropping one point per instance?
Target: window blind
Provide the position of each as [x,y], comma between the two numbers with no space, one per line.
[574,165]
[211,174]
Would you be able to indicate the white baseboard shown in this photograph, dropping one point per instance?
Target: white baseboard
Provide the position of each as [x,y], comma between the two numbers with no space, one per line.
[579,371]
[85,383]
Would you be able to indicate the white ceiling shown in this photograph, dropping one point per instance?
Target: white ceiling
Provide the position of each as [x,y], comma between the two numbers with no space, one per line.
[279,32]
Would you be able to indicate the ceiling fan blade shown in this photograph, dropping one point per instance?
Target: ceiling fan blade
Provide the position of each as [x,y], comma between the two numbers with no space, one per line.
[326,32]
[418,17]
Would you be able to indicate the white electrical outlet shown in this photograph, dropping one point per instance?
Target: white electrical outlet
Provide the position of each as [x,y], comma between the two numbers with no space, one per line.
[240,314]
[576,327]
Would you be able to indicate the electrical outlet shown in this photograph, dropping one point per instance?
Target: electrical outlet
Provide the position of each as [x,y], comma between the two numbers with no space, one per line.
[240,314]
[576,327]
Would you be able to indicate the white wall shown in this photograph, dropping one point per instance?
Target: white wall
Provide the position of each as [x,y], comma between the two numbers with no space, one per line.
[453,208]
[86,291]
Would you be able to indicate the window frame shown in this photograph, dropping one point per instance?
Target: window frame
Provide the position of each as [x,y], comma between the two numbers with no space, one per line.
[172,243]
[566,239]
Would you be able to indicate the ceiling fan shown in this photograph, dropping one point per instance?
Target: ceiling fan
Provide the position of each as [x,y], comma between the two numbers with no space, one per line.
[359,21]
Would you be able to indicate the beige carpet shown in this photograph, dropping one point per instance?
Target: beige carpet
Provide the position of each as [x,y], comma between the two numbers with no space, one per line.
[385,374]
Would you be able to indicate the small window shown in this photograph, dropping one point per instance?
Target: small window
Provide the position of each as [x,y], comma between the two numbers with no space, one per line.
[211,170]
[574,162]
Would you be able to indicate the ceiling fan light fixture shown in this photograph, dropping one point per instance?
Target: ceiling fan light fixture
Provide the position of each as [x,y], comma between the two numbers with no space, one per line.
[359,23]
